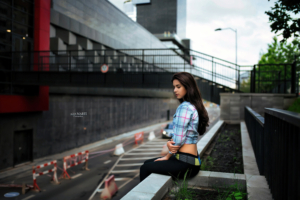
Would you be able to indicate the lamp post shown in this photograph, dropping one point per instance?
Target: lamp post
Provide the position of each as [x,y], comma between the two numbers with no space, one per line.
[220,29]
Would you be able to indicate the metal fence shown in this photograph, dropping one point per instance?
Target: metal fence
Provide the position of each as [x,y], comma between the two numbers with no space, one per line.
[276,143]
[275,78]
[214,70]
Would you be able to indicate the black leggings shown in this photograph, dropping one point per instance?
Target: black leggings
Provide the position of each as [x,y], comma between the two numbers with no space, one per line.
[171,167]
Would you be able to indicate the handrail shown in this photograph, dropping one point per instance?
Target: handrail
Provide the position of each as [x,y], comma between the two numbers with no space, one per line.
[157,59]
[285,115]
[257,116]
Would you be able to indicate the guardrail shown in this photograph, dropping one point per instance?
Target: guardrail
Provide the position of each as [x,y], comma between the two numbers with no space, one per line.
[276,143]
[210,68]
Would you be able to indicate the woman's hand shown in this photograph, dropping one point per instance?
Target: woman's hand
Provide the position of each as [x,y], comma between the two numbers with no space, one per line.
[166,157]
[171,147]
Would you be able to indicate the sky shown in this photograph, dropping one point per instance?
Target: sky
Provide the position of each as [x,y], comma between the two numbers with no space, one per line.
[246,16]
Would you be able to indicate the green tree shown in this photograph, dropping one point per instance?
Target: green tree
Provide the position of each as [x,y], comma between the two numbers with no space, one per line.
[245,85]
[282,52]
[281,20]
[278,53]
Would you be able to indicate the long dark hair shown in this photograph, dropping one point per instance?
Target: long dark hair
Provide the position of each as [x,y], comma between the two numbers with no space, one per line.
[193,96]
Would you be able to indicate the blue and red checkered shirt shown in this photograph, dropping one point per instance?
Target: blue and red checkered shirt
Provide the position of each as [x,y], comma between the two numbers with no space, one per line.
[185,124]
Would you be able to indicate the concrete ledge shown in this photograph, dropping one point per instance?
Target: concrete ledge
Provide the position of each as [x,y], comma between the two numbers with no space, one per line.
[218,179]
[207,138]
[250,165]
[257,186]
[257,94]
[154,186]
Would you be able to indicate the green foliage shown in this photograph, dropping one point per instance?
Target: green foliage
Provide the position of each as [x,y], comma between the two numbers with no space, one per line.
[207,163]
[232,192]
[182,191]
[295,107]
[278,53]
[281,20]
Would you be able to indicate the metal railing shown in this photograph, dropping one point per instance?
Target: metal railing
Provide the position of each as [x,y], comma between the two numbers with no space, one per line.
[212,69]
[276,143]
[275,78]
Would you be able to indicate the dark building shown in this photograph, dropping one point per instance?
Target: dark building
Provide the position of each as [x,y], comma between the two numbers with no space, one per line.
[163,17]
[37,121]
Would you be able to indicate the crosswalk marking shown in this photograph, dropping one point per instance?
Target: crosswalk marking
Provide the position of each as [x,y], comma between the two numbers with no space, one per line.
[141,158]
[77,175]
[152,145]
[124,171]
[108,161]
[158,149]
[147,153]
[122,179]
[128,165]
[152,149]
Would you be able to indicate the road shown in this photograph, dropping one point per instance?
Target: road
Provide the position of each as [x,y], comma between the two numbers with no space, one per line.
[101,162]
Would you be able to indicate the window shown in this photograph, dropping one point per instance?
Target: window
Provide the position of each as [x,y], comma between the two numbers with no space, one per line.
[5,37]
[24,6]
[5,11]
[5,23]
[22,30]
[23,18]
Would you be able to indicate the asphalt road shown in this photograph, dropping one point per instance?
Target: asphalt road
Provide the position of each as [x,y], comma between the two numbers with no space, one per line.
[83,183]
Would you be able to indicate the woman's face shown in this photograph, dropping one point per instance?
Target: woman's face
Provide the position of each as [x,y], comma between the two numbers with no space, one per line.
[179,89]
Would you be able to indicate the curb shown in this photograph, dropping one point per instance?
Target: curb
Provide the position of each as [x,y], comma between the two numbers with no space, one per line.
[257,185]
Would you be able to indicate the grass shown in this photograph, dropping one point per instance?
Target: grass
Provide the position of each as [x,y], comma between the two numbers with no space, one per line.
[295,107]
[207,163]
[230,193]
[183,192]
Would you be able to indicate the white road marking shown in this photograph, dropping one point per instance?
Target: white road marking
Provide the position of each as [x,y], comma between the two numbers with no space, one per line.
[121,179]
[100,190]
[108,161]
[142,153]
[128,181]
[77,175]
[158,149]
[126,165]
[153,145]
[142,158]
[124,171]
[29,197]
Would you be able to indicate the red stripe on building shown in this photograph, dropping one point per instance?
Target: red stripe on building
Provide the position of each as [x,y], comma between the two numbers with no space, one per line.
[21,103]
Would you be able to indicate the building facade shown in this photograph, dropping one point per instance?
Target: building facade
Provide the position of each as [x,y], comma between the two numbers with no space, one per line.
[163,17]
[37,121]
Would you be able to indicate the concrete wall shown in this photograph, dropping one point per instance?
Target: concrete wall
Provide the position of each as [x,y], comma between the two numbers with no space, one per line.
[232,105]
[61,128]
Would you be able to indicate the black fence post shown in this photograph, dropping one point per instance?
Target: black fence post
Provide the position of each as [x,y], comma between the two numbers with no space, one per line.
[252,84]
[143,60]
[293,78]
[238,81]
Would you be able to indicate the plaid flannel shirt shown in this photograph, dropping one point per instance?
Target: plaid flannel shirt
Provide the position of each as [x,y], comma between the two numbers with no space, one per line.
[185,124]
